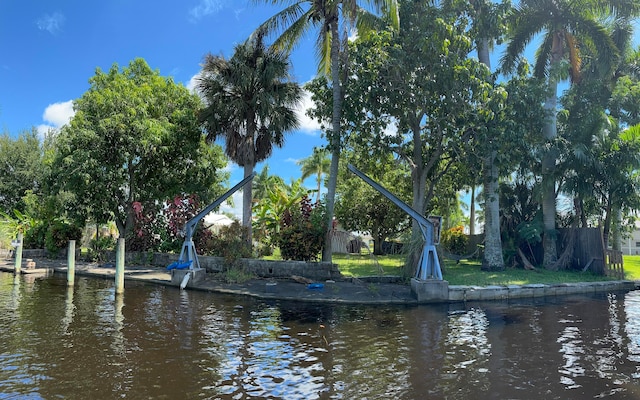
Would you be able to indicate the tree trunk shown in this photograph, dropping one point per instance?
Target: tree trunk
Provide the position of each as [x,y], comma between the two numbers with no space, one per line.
[334,138]
[247,198]
[378,239]
[472,212]
[616,230]
[419,184]
[549,162]
[492,259]
[549,195]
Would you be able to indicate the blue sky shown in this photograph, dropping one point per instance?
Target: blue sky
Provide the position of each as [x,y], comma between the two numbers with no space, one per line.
[50,49]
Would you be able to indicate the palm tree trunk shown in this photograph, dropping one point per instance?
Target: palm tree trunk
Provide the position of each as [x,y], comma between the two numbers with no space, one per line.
[334,139]
[472,211]
[492,259]
[548,179]
[247,197]
[319,187]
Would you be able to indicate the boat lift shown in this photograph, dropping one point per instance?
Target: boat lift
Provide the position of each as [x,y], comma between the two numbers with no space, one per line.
[188,256]
[429,265]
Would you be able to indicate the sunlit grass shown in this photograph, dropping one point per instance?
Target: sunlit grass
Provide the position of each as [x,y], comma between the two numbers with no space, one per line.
[359,265]
[631,267]
[469,272]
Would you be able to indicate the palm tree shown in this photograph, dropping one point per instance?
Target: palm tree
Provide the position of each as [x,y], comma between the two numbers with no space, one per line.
[333,19]
[566,26]
[486,24]
[250,103]
[317,164]
[264,183]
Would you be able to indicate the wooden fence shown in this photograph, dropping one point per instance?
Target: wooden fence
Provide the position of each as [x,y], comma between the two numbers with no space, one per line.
[614,264]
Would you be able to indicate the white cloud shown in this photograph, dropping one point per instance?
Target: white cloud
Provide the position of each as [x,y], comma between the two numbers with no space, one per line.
[292,160]
[59,114]
[55,116]
[51,23]
[193,83]
[205,8]
[307,124]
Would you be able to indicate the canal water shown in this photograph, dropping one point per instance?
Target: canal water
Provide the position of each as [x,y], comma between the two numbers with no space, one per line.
[157,342]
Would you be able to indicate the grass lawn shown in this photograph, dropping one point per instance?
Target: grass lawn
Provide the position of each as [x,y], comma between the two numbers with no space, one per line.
[468,272]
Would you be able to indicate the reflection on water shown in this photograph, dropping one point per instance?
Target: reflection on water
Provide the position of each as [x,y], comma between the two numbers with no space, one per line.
[159,342]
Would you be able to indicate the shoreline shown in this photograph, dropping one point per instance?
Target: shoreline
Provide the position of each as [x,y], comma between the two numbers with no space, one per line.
[352,291]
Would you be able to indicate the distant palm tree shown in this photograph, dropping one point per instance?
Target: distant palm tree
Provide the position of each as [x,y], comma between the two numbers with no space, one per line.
[566,26]
[264,183]
[317,164]
[250,102]
[333,19]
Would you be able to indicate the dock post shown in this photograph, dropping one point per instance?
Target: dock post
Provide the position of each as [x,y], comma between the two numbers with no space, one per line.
[120,266]
[71,263]
[18,264]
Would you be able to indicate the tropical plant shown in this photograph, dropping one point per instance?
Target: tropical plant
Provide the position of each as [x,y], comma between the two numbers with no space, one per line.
[567,26]
[487,28]
[59,234]
[250,101]
[333,19]
[454,240]
[318,164]
[263,183]
[270,209]
[302,229]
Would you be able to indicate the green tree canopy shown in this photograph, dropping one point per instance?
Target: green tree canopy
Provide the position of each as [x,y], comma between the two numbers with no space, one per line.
[135,137]
[21,169]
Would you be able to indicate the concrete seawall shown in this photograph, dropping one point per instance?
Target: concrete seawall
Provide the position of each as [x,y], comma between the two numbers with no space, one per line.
[374,290]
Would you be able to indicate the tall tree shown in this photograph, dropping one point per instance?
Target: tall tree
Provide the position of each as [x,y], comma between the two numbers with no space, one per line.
[488,27]
[250,103]
[333,20]
[416,94]
[318,164]
[21,169]
[134,138]
[566,26]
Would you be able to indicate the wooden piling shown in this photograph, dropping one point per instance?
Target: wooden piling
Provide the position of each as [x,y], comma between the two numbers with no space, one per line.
[18,252]
[120,266]
[71,263]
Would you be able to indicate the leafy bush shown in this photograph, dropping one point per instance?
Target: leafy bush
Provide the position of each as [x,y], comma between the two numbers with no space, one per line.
[454,240]
[34,236]
[59,234]
[228,243]
[99,246]
[148,224]
[302,230]
[177,213]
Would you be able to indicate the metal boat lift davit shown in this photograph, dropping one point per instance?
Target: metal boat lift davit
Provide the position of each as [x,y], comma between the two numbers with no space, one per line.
[188,256]
[429,266]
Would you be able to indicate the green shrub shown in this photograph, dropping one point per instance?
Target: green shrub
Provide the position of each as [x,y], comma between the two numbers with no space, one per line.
[228,243]
[59,234]
[34,236]
[454,240]
[99,246]
[302,230]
